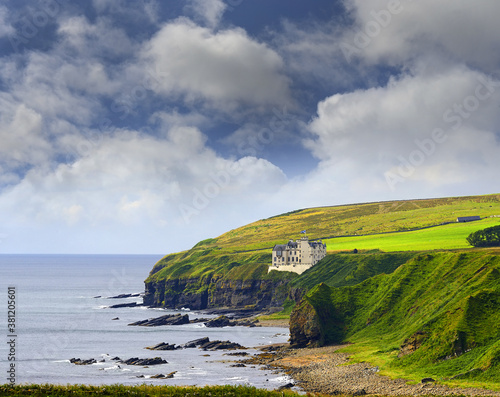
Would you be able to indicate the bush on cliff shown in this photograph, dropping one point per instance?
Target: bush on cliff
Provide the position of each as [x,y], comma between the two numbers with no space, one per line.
[489,237]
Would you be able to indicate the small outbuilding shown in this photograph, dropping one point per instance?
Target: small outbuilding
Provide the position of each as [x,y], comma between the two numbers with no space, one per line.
[468,218]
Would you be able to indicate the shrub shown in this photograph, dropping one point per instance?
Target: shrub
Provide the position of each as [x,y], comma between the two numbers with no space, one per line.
[488,237]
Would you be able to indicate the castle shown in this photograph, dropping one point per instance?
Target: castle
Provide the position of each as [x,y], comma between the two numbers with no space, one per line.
[297,256]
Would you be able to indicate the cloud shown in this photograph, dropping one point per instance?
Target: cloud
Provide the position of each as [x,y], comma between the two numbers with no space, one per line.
[419,134]
[135,182]
[221,68]
[399,31]
[6,28]
[208,11]
[21,136]
[358,50]
[101,40]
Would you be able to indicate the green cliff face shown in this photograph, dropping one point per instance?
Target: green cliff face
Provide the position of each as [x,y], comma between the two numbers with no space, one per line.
[435,311]
[210,278]
[202,279]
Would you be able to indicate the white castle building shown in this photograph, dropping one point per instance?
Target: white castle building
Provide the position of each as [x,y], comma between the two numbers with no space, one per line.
[297,256]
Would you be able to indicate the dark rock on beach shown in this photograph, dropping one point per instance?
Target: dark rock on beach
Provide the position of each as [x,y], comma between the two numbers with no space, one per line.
[195,343]
[121,305]
[223,321]
[163,346]
[123,296]
[180,319]
[168,319]
[78,361]
[202,343]
[161,376]
[285,387]
[237,354]
[221,345]
[219,322]
[144,361]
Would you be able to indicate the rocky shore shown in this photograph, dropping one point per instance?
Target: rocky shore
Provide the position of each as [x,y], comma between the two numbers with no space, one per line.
[324,370]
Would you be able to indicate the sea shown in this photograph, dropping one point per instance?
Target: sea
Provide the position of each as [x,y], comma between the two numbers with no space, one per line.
[62,312]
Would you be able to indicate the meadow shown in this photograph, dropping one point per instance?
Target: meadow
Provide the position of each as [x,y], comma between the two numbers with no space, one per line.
[447,237]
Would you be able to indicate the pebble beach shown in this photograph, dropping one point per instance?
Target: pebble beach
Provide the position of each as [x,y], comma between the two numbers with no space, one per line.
[325,370]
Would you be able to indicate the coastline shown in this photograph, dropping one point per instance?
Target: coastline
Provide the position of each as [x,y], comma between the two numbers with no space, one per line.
[282,323]
[324,370]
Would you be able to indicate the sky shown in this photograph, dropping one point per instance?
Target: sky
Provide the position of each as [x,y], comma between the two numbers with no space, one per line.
[143,127]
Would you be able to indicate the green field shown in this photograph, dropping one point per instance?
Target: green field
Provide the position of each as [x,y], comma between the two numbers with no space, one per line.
[352,219]
[451,236]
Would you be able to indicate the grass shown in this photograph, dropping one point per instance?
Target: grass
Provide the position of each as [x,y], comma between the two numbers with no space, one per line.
[244,253]
[140,391]
[338,270]
[347,220]
[451,298]
[451,236]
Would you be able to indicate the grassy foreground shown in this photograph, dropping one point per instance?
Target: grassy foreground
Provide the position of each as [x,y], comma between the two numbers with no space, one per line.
[141,390]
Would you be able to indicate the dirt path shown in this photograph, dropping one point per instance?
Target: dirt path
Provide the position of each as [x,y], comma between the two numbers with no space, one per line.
[323,370]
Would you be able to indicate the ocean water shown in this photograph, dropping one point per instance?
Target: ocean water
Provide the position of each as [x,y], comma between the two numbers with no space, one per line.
[58,317]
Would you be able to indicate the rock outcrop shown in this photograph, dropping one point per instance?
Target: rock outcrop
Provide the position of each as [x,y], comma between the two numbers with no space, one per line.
[168,319]
[163,346]
[79,361]
[206,293]
[412,343]
[122,305]
[305,328]
[144,361]
[202,343]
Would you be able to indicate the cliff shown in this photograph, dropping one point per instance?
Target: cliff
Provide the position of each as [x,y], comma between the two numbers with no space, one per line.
[210,279]
[439,313]
[231,270]
[207,293]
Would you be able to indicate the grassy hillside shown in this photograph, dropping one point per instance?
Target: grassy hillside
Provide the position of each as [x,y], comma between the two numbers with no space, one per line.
[438,315]
[215,253]
[355,219]
[203,263]
[244,254]
[340,270]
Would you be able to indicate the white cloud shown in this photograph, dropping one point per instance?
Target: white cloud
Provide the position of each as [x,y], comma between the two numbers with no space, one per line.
[98,40]
[221,67]
[400,30]
[396,33]
[208,11]
[5,27]
[21,135]
[426,131]
[134,182]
